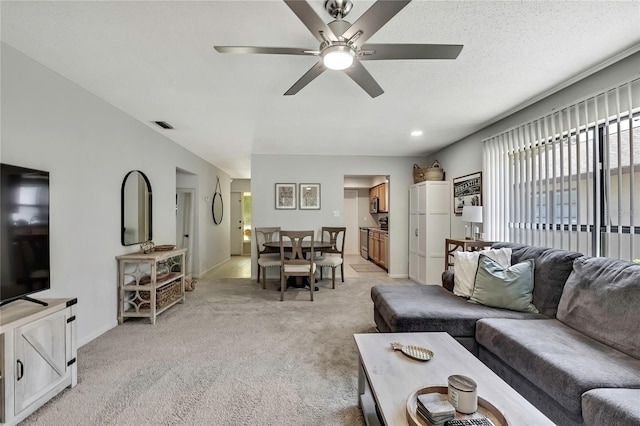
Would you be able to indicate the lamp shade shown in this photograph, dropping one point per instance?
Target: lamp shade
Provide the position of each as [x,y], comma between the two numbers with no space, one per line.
[472,214]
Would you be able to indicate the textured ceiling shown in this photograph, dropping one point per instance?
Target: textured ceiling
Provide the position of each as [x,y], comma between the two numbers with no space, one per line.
[155,61]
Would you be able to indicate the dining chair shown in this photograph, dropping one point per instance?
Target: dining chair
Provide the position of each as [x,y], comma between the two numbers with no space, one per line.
[334,255]
[267,257]
[294,259]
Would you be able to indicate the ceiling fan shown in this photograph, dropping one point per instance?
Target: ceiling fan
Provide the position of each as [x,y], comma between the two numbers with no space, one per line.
[343,45]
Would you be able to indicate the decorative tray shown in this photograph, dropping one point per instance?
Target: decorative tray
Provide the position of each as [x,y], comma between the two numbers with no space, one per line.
[165,247]
[412,351]
[485,408]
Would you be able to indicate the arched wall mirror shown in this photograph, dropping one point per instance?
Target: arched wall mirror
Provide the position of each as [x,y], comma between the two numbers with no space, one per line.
[135,209]
[217,205]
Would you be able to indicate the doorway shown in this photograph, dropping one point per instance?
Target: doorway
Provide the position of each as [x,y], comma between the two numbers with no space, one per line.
[184,225]
[237,235]
[351,243]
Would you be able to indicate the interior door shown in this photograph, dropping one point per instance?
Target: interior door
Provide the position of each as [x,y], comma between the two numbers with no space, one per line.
[184,225]
[237,235]
[350,211]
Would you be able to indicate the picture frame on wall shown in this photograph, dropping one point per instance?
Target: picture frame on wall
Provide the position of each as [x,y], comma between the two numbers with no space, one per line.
[309,196]
[285,196]
[467,191]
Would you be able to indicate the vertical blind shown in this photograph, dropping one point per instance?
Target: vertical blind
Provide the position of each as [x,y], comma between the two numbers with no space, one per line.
[570,179]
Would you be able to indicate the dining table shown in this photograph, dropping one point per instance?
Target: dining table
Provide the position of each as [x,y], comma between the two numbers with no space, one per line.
[306,247]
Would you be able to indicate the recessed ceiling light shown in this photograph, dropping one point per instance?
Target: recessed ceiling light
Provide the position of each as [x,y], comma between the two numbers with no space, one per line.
[416,133]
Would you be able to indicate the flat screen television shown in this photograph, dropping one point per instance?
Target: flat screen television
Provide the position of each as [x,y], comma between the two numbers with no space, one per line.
[24,232]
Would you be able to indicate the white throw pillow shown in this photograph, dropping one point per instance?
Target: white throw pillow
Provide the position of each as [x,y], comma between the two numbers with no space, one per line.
[465,265]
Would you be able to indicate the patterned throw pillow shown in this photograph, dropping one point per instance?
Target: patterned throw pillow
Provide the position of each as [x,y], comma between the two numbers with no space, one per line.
[465,265]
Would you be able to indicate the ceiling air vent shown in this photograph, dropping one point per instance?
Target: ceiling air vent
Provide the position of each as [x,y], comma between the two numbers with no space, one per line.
[164,125]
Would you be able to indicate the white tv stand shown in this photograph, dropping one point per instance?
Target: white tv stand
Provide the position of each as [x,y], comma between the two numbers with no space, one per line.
[38,355]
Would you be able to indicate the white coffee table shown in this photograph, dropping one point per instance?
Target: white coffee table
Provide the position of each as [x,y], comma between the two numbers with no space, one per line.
[386,378]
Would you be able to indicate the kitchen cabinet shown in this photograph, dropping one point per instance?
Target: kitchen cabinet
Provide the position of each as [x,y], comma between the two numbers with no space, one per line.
[378,241]
[429,225]
[37,355]
[374,246]
[383,204]
[381,193]
[384,251]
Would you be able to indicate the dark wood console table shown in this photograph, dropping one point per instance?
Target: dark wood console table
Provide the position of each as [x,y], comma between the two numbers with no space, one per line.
[451,245]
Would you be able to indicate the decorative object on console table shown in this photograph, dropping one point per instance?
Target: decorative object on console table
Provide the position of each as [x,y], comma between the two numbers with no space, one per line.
[309,196]
[164,247]
[285,196]
[451,245]
[150,283]
[467,191]
[472,214]
[147,247]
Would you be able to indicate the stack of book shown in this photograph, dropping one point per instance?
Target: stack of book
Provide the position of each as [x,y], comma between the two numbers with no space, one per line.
[435,409]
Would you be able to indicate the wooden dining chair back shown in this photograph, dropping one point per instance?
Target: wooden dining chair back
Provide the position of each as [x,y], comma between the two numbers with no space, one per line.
[333,256]
[266,257]
[296,258]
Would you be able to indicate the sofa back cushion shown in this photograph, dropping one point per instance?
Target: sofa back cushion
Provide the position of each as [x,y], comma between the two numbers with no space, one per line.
[601,299]
[552,268]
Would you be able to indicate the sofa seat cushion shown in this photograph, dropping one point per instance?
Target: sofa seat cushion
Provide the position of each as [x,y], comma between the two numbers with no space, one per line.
[552,268]
[558,359]
[601,299]
[620,407]
[417,307]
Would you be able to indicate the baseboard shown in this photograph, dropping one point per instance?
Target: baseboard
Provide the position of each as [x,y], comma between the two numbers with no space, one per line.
[213,267]
[99,332]
[398,275]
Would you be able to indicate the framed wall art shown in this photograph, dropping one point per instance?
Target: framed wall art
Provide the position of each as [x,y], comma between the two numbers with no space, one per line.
[467,191]
[309,196]
[285,196]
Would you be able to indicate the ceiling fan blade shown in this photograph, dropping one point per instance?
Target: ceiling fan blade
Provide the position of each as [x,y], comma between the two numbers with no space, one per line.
[410,51]
[267,50]
[374,18]
[307,78]
[311,20]
[360,75]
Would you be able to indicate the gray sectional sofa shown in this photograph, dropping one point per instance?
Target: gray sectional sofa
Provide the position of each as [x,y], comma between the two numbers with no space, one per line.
[577,360]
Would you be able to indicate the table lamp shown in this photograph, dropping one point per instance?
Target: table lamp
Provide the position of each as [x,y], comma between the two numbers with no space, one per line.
[472,214]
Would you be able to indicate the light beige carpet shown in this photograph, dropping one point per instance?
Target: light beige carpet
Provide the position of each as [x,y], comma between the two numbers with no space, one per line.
[232,355]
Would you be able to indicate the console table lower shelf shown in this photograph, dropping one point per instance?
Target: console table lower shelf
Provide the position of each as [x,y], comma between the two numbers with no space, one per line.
[38,355]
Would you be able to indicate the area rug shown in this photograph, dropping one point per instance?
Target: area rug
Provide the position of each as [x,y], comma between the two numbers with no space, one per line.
[233,354]
[366,268]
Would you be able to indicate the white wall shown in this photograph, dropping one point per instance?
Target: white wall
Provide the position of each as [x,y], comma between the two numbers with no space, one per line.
[241,185]
[329,171]
[88,146]
[465,156]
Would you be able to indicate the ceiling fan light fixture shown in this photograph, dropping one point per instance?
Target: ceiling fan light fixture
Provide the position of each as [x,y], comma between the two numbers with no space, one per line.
[338,57]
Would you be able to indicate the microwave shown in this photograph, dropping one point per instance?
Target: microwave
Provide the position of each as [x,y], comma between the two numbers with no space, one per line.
[373,207]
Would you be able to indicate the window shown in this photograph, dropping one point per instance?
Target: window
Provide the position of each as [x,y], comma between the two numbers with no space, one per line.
[570,179]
